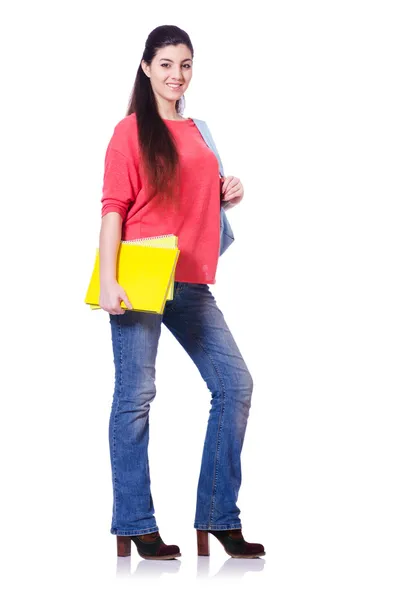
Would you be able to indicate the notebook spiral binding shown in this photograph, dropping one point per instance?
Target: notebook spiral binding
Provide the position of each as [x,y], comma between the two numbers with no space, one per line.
[155,237]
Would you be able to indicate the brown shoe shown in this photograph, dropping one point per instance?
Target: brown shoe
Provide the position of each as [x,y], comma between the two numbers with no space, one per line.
[149,545]
[232,541]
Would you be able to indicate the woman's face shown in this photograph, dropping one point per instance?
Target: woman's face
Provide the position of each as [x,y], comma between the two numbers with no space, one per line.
[171,65]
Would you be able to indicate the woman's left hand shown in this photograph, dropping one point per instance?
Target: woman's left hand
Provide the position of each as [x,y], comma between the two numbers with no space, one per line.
[231,190]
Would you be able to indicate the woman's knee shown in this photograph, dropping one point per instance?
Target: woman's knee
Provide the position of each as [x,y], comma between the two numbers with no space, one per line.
[134,395]
[240,384]
[246,386]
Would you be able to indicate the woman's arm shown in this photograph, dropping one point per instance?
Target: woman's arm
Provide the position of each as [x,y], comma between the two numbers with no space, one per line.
[117,197]
[109,241]
[119,190]
[111,293]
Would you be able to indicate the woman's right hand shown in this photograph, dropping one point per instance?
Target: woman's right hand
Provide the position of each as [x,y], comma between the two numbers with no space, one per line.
[111,294]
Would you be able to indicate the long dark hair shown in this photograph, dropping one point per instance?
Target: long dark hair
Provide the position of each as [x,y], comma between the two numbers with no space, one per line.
[157,146]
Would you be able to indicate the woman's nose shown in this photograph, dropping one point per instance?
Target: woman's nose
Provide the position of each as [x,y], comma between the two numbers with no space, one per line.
[177,75]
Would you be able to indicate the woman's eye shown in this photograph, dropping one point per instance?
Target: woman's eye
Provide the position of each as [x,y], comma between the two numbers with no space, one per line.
[168,64]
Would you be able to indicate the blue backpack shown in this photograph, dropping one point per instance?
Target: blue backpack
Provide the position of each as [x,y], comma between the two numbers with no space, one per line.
[227,236]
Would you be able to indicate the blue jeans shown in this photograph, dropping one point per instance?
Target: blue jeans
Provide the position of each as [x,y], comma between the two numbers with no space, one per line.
[194,318]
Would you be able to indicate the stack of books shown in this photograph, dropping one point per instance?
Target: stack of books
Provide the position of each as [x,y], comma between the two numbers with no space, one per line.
[145,269]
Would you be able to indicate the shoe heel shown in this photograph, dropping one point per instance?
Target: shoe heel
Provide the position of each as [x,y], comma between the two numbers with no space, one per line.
[123,545]
[203,548]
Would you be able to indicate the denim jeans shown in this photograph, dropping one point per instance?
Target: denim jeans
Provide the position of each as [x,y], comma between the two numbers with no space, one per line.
[195,320]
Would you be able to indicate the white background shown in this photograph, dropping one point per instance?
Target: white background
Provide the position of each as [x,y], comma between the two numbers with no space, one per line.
[301,101]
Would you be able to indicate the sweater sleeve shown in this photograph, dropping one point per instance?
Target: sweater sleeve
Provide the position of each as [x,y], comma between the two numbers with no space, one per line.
[119,183]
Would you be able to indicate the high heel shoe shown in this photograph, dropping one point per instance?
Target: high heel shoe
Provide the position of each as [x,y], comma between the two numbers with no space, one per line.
[232,541]
[149,546]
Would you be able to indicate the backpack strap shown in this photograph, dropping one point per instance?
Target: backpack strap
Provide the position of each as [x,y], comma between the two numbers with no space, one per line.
[227,235]
[205,132]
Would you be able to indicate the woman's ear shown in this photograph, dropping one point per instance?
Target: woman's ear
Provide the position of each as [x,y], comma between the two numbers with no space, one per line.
[145,68]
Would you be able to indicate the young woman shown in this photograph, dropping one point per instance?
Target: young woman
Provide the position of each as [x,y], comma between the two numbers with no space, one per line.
[160,177]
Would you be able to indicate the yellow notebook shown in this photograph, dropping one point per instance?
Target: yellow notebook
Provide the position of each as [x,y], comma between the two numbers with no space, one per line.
[145,268]
[159,241]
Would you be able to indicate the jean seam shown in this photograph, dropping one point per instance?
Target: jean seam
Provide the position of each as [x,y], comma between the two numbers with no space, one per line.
[218,527]
[220,424]
[116,413]
[135,532]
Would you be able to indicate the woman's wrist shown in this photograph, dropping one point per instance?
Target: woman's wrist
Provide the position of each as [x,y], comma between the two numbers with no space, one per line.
[107,278]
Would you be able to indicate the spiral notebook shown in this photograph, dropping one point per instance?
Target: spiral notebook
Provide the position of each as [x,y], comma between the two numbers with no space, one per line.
[145,268]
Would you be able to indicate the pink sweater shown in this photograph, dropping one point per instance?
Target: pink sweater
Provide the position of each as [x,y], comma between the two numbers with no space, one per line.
[196,221]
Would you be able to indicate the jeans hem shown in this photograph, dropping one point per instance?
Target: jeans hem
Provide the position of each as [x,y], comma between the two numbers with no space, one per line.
[217,527]
[116,531]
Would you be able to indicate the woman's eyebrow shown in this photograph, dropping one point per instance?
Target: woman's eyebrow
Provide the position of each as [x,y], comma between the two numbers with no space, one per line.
[169,59]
